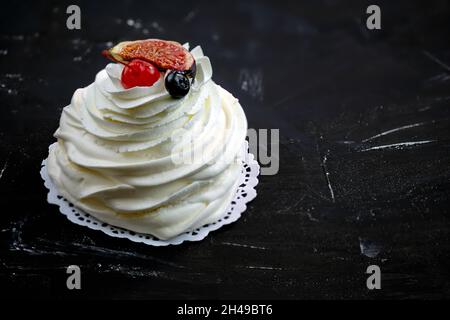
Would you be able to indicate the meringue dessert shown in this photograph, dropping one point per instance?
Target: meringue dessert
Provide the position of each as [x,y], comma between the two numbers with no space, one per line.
[121,144]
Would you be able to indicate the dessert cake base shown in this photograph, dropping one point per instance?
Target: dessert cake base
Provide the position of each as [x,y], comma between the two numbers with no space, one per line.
[244,193]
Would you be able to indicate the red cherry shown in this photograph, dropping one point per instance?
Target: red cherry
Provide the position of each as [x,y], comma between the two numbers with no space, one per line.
[139,73]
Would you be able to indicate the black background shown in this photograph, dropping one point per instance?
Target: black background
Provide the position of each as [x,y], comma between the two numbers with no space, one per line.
[313,70]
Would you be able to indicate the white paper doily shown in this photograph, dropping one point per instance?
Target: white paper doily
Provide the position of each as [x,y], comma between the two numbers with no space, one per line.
[245,193]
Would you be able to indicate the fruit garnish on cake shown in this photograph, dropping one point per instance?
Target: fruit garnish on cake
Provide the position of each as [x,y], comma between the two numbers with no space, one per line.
[144,60]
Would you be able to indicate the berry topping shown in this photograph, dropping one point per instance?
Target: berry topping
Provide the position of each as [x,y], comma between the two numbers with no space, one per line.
[139,73]
[165,55]
[177,84]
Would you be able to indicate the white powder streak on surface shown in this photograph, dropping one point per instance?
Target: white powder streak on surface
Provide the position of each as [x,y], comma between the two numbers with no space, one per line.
[395,130]
[264,268]
[398,145]
[4,168]
[243,245]
[327,176]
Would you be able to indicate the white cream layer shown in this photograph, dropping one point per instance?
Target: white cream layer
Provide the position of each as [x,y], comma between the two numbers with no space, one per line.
[116,149]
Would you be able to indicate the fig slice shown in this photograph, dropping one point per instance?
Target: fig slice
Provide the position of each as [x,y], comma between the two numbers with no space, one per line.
[165,55]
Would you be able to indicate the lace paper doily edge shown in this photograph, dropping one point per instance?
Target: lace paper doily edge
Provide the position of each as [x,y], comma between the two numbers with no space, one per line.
[232,214]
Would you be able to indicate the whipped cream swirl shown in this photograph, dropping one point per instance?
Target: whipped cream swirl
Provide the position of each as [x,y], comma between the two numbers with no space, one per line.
[115,153]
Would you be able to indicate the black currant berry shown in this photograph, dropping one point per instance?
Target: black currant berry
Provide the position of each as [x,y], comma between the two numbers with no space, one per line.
[177,84]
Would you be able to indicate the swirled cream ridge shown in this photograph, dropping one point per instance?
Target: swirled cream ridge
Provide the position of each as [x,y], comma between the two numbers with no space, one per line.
[117,150]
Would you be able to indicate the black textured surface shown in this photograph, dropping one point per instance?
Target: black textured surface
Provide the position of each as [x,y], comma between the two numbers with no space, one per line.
[315,72]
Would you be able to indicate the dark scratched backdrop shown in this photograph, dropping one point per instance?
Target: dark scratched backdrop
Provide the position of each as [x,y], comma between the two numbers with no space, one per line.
[364,150]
